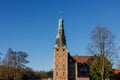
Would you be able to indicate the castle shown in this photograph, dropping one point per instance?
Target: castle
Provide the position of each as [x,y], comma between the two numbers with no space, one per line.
[67,67]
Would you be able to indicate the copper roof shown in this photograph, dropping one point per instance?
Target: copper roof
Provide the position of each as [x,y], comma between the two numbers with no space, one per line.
[81,59]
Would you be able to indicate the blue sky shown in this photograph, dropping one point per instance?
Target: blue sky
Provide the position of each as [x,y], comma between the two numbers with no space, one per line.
[31,26]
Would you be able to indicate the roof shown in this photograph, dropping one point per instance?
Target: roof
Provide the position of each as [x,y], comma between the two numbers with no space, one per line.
[81,59]
[60,38]
[116,71]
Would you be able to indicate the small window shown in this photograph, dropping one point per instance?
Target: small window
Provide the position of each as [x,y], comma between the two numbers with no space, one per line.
[81,69]
[56,65]
[63,53]
[63,59]
[56,49]
[63,65]
[56,73]
[56,53]
[70,60]
[63,73]
[85,69]
[56,59]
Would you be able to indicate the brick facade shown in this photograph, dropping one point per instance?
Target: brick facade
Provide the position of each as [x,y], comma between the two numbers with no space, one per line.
[60,64]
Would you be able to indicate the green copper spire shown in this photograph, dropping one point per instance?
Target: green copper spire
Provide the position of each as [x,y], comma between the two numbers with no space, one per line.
[60,39]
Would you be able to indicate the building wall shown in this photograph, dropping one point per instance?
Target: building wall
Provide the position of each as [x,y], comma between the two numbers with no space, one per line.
[66,68]
[83,70]
[60,64]
[71,71]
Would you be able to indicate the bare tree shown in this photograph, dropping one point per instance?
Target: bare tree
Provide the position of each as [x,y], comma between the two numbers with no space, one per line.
[15,62]
[102,45]
[7,61]
[21,61]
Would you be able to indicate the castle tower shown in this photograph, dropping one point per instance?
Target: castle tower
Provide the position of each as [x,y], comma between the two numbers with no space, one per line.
[60,55]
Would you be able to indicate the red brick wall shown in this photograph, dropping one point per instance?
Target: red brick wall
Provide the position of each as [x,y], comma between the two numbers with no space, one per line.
[60,64]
